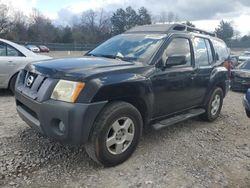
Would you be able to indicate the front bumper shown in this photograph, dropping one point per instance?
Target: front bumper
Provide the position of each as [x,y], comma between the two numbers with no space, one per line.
[45,117]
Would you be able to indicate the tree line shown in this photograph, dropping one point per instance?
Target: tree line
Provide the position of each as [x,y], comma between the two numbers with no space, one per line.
[93,27]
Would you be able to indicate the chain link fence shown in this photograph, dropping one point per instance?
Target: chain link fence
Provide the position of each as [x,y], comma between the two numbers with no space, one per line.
[63,46]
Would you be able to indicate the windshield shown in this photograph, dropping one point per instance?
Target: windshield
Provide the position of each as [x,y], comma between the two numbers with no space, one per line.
[245,65]
[247,53]
[134,47]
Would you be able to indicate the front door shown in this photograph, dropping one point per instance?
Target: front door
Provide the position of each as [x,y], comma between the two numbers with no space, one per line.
[173,86]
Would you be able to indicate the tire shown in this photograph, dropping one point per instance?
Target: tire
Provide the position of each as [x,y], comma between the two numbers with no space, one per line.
[117,122]
[13,83]
[248,113]
[214,105]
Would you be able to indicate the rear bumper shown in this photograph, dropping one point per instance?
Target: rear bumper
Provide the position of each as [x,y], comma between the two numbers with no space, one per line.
[45,117]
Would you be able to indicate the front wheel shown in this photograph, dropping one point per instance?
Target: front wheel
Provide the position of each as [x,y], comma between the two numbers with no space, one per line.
[214,105]
[12,84]
[248,113]
[116,133]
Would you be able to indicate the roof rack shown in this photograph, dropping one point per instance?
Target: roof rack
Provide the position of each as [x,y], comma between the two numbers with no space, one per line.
[183,27]
[164,28]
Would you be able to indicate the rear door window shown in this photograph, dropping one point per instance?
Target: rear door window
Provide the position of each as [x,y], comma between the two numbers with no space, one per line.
[201,52]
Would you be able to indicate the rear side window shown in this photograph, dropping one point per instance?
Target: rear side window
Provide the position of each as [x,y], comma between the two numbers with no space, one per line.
[2,49]
[221,50]
[201,52]
[12,51]
[178,47]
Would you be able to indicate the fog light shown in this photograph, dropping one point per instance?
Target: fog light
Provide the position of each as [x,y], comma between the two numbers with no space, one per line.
[61,127]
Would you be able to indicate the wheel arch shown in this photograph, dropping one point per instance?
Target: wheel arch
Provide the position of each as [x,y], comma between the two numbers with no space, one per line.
[11,77]
[138,94]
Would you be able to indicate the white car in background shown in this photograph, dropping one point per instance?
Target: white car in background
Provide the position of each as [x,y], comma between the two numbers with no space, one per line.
[32,48]
[13,58]
[245,56]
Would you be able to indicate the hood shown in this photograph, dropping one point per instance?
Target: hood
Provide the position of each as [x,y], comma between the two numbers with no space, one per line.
[80,68]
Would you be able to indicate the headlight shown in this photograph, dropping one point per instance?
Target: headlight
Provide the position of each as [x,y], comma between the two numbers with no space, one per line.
[67,91]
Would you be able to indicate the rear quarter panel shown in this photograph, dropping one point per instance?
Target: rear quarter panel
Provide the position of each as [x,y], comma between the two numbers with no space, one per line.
[218,78]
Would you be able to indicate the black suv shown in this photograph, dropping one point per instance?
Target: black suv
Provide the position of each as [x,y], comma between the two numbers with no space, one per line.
[150,76]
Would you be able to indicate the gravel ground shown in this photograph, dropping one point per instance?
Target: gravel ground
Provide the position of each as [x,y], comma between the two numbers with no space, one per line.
[190,154]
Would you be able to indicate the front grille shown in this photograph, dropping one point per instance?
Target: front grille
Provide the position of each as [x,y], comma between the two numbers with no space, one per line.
[30,79]
[30,83]
[41,84]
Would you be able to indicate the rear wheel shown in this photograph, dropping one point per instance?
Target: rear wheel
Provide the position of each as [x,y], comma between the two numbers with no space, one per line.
[12,84]
[214,105]
[116,133]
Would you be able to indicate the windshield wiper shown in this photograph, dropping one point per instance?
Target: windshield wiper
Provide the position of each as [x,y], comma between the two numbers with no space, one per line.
[113,57]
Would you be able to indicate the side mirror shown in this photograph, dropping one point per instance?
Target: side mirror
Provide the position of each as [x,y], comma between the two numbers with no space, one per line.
[175,60]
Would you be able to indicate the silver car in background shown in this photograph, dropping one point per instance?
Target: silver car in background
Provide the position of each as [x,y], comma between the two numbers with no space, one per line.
[13,58]
[244,57]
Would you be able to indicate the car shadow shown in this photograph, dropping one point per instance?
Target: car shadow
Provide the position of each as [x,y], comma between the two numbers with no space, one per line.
[5,92]
[238,91]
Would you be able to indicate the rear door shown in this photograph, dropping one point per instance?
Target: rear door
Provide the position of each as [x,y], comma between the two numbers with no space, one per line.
[204,60]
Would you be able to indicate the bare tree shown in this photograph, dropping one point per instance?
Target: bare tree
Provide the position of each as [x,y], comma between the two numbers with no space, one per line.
[170,17]
[4,19]
[237,34]
[163,17]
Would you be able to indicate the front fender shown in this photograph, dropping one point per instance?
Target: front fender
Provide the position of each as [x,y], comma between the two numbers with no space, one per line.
[126,87]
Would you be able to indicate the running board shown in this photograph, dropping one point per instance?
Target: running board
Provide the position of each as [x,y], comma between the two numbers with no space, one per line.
[178,118]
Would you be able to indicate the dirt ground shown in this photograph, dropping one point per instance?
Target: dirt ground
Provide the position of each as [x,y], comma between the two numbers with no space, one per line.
[190,154]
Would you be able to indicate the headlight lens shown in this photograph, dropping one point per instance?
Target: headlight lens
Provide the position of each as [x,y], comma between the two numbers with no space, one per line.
[67,91]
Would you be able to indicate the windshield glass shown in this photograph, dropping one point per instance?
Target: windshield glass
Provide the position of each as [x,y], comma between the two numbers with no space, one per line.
[245,65]
[247,53]
[134,47]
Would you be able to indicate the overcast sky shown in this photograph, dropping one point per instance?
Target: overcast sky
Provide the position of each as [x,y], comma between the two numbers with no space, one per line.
[204,13]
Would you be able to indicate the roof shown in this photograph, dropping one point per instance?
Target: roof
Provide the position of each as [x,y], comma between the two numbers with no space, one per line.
[20,48]
[166,28]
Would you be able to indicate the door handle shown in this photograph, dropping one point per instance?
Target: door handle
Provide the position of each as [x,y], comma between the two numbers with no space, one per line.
[11,63]
[193,75]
